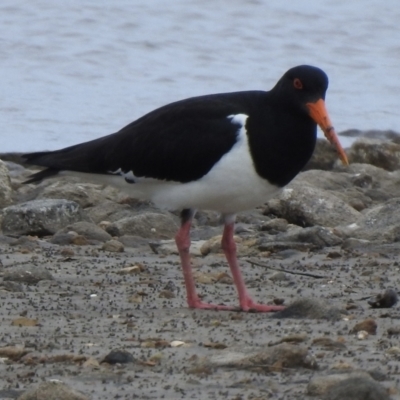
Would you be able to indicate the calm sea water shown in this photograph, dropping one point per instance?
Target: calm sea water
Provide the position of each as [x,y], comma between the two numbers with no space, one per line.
[76,70]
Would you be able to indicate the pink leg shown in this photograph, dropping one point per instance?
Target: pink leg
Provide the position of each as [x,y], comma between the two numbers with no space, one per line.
[229,248]
[182,240]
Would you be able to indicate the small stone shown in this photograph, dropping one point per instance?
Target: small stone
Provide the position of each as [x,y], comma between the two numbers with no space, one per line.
[166,294]
[147,225]
[118,356]
[29,274]
[11,286]
[369,325]
[273,359]
[104,224]
[395,350]
[113,246]
[309,308]
[212,245]
[278,276]
[215,345]
[67,252]
[385,300]
[79,240]
[54,390]
[320,385]
[361,335]
[275,226]
[89,230]
[328,343]
[342,366]
[394,330]
[357,389]
[177,343]
[294,338]
[23,321]
[334,255]
[13,352]
[132,270]
[91,363]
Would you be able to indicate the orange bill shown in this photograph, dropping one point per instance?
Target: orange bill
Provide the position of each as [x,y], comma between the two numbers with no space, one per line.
[319,114]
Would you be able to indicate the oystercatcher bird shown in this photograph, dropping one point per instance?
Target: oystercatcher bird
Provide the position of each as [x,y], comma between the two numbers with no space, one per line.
[226,152]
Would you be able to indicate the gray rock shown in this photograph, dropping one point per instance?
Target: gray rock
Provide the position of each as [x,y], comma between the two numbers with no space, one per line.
[275,246]
[40,217]
[308,206]
[357,388]
[5,186]
[87,229]
[355,244]
[148,225]
[275,226]
[320,385]
[356,198]
[113,246]
[64,238]
[372,134]
[109,210]
[324,156]
[310,308]
[26,242]
[279,276]
[133,241]
[52,391]
[326,180]
[349,187]
[381,153]
[168,247]
[118,356]
[355,169]
[27,274]
[302,239]
[10,286]
[85,194]
[380,223]
[284,354]
[317,235]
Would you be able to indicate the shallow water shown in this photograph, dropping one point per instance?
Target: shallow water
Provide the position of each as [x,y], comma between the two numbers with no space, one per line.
[77,70]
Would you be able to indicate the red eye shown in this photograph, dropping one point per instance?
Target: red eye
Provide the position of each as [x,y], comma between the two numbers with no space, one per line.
[297,83]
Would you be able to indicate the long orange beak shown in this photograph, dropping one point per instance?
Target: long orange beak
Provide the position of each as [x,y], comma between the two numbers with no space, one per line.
[319,114]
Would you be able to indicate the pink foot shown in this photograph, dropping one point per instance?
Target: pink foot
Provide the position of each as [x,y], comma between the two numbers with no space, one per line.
[249,306]
[206,306]
[255,307]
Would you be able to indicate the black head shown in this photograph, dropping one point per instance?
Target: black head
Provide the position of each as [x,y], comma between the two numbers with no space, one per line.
[302,91]
[301,85]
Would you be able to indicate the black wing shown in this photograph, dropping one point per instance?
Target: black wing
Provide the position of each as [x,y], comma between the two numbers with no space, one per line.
[179,142]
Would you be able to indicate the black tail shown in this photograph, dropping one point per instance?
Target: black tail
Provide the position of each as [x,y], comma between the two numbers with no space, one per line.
[84,157]
[38,176]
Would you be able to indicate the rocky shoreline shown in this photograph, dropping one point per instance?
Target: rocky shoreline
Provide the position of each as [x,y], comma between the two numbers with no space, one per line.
[93,300]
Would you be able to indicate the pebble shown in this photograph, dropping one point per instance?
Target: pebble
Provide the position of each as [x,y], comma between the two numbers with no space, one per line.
[30,274]
[113,246]
[369,325]
[312,308]
[357,388]
[385,300]
[118,356]
[54,390]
